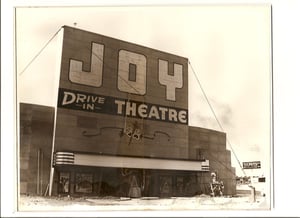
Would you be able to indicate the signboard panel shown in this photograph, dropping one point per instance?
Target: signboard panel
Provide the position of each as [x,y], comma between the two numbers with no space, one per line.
[116,106]
[120,98]
[251,165]
[68,158]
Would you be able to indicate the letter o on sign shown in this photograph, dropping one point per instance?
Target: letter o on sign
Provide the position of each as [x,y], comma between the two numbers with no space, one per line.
[138,84]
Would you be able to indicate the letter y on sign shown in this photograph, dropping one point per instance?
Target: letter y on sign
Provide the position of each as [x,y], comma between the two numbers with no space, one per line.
[170,81]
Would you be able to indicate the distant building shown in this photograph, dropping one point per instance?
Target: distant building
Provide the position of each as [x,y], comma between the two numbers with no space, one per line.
[120,127]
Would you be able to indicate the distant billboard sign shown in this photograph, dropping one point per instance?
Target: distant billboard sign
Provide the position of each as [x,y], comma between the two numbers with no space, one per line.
[251,165]
[121,98]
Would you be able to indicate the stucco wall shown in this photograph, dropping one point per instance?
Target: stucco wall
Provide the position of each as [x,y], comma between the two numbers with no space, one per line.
[36,128]
[211,145]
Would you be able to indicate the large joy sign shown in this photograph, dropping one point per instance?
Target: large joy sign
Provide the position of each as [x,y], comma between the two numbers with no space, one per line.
[132,72]
[114,95]
[101,65]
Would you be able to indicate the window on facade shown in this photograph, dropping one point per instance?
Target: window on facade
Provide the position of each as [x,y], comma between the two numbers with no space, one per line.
[179,185]
[84,182]
[64,182]
[165,185]
[199,154]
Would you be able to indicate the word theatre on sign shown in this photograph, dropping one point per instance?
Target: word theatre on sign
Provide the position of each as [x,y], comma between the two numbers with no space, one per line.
[118,84]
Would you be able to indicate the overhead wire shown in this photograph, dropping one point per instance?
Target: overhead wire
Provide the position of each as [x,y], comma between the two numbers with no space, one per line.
[40,51]
[128,95]
[206,98]
[96,55]
[216,118]
[47,43]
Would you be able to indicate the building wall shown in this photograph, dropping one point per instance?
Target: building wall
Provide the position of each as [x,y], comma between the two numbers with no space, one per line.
[36,129]
[103,124]
[211,145]
[107,135]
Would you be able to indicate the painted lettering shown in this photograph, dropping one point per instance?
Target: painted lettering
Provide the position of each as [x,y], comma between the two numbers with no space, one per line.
[131,109]
[131,75]
[172,82]
[120,105]
[142,110]
[172,115]
[182,116]
[67,100]
[125,83]
[81,98]
[163,111]
[92,78]
[154,113]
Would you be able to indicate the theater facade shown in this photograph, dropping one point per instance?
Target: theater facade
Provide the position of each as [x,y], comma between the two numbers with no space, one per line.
[120,127]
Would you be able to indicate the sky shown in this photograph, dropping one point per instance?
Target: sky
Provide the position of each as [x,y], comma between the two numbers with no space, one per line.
[229,48]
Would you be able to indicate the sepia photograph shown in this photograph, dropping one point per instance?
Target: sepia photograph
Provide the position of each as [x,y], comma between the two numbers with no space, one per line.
[144,108]
[149,109]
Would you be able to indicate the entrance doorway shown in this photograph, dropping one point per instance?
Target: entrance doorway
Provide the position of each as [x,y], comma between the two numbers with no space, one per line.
[64,183]
[166,189]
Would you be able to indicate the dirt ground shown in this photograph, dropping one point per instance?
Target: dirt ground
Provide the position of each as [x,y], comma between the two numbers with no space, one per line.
[202,202]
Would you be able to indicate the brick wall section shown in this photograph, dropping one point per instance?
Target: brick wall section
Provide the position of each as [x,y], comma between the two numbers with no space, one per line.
[36,127]
[212,146]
